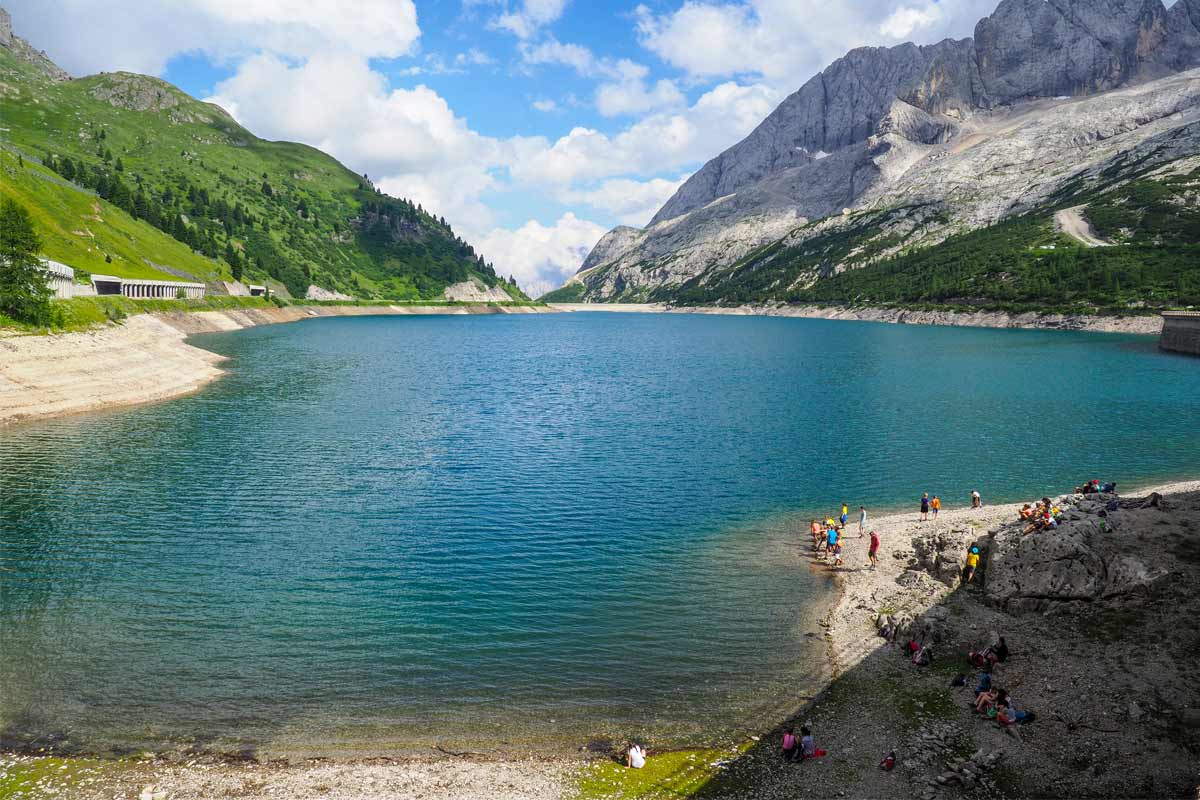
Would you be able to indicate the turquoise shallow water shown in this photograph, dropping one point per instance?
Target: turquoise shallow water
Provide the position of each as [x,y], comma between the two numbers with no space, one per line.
[388,532]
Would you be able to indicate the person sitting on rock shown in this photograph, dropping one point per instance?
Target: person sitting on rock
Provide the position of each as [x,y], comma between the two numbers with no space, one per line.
[924,656]
[1026,511]
[984,684]
[808,748]
[997,652]
[791,745]
[986,701]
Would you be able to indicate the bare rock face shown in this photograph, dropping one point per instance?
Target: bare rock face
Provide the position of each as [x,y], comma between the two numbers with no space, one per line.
[26,52]
[857,131]
[1027,571]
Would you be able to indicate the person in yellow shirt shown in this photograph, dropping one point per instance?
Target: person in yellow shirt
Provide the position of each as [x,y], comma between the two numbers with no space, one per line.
[972,564]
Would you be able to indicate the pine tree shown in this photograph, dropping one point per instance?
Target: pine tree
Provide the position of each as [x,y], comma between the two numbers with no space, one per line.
[120,165]
[24,294]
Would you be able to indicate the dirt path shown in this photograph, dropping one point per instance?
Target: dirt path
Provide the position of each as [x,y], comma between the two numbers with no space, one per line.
[1071,222]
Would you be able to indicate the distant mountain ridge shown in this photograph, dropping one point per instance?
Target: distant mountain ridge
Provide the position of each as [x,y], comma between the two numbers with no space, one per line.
[854,133]
[128,175]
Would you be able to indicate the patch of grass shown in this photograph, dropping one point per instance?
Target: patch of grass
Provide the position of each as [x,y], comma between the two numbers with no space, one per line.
[49,776]
[679,773]
[81,313]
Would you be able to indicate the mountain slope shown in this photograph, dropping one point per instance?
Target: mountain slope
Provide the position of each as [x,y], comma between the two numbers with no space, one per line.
[974,130]
[140,149]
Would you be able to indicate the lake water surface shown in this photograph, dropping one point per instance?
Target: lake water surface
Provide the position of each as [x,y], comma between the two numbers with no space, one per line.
[397,531]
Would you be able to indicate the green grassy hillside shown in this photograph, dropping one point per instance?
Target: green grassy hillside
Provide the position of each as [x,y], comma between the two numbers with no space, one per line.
[126,174]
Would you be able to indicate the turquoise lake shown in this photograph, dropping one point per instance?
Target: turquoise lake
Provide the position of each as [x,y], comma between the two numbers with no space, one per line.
[386,533]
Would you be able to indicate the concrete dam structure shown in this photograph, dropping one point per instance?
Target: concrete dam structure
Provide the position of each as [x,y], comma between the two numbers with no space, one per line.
[1181,332]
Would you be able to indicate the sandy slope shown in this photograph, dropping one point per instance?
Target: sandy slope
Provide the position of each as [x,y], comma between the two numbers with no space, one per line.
[1071,222]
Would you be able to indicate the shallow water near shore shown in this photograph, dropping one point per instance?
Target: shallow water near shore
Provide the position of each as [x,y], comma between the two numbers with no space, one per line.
[379,534]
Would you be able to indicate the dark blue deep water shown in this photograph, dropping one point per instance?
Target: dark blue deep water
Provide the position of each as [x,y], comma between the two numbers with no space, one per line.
[390,532]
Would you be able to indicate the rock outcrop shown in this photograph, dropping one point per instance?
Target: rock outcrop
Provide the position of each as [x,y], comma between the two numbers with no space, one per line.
[855,133]
[27,53]
[1083,560]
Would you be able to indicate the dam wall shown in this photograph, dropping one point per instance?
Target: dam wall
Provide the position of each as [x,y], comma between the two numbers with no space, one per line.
[1181,332]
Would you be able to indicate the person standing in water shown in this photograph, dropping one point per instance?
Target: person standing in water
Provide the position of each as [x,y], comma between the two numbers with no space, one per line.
[925,506]
[862,520]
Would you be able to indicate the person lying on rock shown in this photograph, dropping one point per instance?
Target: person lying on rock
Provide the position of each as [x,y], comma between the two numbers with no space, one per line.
[1008,714]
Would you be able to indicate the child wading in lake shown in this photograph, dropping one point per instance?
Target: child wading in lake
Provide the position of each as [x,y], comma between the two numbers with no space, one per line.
[924,506]
[873,551]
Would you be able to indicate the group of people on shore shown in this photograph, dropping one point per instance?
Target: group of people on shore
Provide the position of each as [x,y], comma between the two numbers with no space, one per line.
[827,537]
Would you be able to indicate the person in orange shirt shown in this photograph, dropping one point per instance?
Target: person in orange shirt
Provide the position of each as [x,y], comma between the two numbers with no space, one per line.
[936,505]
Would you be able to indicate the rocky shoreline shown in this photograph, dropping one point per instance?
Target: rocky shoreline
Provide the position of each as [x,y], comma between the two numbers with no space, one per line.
[1148,325]
[1097,614]
[146,358]
[1094,612]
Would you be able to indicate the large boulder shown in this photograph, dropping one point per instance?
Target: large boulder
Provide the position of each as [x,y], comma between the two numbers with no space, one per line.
[1029,571]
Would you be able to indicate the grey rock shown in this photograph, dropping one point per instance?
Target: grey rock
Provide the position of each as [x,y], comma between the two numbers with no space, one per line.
[970,129]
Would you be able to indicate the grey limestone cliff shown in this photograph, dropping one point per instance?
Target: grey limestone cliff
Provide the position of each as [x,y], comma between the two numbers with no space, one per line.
[856,131]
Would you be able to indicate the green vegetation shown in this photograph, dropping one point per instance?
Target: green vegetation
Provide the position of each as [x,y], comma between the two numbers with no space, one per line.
[680,773]
[572,293]
[126,175]
[1018,264]
[24,295]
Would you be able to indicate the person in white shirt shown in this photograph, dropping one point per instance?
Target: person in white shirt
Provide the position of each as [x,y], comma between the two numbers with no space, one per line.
[862,520]
[636,757]
[976,500]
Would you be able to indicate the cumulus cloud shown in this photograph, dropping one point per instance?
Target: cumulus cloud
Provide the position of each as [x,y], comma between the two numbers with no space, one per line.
[632,202]
[141,37]
[530,17]
[786,41]
[542,257]
[630,93]
[657,142]
[545,106]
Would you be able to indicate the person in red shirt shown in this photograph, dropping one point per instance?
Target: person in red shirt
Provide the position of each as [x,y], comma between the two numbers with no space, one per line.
[873,550]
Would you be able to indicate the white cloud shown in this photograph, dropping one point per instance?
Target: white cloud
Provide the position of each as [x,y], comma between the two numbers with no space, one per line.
[658,142]
[575,56]
[632,202]
[474,57]
[530,17]
[630,94]
[542,257]
[787,41]
[906,19]
[142,36]
[545,106]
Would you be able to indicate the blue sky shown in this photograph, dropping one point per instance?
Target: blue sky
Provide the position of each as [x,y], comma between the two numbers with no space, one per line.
[532,125]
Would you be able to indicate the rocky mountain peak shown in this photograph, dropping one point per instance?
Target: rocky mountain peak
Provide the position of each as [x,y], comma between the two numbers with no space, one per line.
[26,52]
[1025,49]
